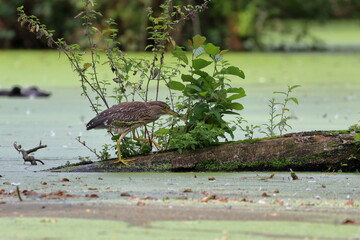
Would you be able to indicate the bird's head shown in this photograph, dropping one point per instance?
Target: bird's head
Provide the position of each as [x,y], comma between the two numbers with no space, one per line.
[161,108]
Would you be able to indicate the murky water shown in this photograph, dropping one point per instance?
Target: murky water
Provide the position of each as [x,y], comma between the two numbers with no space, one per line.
[58,120]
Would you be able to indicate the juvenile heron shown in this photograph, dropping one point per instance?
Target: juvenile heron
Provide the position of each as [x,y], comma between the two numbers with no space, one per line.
[128,116]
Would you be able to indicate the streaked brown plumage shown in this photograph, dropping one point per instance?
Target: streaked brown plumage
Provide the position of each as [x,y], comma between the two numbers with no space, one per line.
[126,117]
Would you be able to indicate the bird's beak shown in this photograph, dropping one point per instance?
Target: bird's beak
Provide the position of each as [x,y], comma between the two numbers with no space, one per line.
[171,112]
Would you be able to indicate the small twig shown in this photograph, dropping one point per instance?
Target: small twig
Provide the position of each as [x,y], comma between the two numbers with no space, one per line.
[25,153]
[18,193]
[90,149]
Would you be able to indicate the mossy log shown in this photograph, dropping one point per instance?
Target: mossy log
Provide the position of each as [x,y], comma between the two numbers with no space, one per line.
[305,151]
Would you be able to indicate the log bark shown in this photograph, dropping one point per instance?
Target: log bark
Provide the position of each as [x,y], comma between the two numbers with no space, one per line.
[307,151]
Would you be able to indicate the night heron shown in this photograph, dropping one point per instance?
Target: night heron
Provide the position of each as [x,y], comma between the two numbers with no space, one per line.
[128,116]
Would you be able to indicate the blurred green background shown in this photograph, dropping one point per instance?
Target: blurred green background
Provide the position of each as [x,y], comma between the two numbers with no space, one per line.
[314,43]
[232,24]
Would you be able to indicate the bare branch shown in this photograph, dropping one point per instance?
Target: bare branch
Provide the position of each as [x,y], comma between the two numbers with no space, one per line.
[25,153]
[90,149]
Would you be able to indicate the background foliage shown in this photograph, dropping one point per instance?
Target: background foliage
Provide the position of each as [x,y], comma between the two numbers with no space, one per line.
[241,22]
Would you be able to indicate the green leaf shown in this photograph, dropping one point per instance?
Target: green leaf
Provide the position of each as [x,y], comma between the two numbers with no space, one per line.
[198,41]
[187,78]
[180,54]
[200,63]
[198,51]
[293,87]
[357,137]
[194,87]
[199,111]
[233,71]
[223,52]
[148,46]
[211,49]
[201,73]
[236,106]
[230,112]
[203,94]
[218,95]
[294,100]
[162,131]
[235,96]
[87,65]
[217,116]
[175,85]
[237,90]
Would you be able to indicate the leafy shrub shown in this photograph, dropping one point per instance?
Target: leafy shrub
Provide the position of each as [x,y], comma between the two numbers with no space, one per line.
[202,135]
[206,94]
[204,97]
[133,77]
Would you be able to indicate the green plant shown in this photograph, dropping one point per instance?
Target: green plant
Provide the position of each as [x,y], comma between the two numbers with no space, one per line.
[104,153]
[355,128]
[278,117]
[85,159]
[206,94]
[357,142]
[202,135]
[67,163]
[293,175]
[130,147]
[248,129]
[132,77]
[357,138]
[271,126]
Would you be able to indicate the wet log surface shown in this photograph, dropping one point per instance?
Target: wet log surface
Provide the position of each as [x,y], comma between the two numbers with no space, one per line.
[304,151]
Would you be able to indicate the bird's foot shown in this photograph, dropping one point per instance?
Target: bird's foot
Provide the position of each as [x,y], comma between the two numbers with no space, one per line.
[158,146]
[124,161]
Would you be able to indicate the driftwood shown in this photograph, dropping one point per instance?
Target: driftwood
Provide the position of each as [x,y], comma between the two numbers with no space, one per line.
[309,151]
[25,153]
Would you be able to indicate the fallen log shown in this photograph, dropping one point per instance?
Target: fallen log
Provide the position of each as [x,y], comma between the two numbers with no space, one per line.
[304,151]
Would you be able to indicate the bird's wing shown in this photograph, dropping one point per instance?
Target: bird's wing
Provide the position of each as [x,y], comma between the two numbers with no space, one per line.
[121,115]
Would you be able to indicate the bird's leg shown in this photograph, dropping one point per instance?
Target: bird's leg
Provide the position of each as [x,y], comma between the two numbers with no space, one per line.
[119,152]
[158,146]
